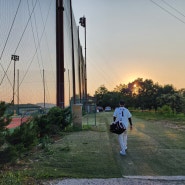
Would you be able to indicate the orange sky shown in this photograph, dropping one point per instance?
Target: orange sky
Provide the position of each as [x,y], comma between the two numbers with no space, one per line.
[126,40]
[133,39]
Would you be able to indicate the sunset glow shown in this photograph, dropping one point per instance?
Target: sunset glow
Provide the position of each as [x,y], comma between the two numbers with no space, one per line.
[127,40]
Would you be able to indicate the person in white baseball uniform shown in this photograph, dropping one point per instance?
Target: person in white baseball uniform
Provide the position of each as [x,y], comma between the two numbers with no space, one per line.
[123,115]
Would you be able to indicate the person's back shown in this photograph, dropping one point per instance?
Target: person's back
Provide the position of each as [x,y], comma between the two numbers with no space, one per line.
[123,115]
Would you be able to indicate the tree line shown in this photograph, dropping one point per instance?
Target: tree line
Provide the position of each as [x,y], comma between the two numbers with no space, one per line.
[144,95]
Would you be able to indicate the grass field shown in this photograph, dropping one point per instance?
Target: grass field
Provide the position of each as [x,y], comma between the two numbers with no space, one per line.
[155,148]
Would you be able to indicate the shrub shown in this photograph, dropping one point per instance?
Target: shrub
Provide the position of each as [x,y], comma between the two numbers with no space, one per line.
[55,121]
[4,121]
[9,154]
[23,138]
[165,110]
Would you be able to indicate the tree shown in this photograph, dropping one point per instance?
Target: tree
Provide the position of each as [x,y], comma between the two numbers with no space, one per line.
[99,94]
[168,89]
[120,87]
[4,121]
[101,90]
[144,94]
[182,92]
[175,101]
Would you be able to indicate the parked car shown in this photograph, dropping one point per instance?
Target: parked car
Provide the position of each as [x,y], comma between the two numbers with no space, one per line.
[107,109]
[99,109]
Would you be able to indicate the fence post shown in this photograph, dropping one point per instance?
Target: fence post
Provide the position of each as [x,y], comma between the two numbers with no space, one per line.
[77,116]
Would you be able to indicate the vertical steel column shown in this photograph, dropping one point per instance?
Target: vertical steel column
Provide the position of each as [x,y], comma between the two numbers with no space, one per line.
[85,65]
[14,58]
[18,91]
[73,59]
[44,90]
[14,83]
[60,53]
[79,67]
[83,24]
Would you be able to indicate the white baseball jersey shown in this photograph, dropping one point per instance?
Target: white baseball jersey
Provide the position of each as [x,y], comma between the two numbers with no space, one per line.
[122,114]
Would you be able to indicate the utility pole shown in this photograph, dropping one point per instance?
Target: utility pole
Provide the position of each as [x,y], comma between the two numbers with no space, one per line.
[44,90]
[18,91]
[79,68]
[73,58]
[14,58]
[83,24]
[60,53]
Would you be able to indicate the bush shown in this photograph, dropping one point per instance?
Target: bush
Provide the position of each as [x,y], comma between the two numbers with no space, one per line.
[23,138]
[4,121]
[55,121]
[59,117]
[165,110]
[8,155]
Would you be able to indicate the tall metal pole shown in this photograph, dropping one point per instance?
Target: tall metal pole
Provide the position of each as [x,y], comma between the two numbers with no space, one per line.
[44,90]
[69,85]
[79,67]
[14,58]
[85,66]
[60,53]
[83,24]
[73,59]
[17,91]
[13,82]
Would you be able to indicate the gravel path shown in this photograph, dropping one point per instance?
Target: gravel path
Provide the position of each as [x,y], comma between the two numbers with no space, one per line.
[128,180]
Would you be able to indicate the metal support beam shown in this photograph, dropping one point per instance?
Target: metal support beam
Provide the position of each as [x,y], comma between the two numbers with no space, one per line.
[60,53]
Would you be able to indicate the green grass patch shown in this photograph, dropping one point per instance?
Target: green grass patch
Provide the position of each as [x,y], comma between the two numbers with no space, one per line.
[155,147]
[155,116]
[78,155]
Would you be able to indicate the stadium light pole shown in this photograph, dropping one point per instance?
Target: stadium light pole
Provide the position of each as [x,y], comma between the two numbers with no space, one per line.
[14,58]
[60,54]
[82,22]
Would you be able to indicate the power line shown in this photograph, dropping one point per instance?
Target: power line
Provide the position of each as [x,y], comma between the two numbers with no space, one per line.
[168,11]
[5,72]
[38,45]
[26,26]
[173,8]
[34,39]
[44,24]
[10,30]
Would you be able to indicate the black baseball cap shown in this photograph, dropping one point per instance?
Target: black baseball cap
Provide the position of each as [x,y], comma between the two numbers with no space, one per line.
[122,102]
